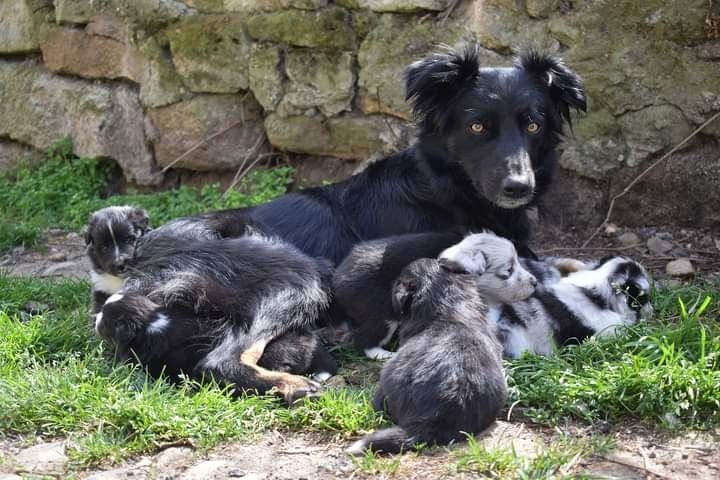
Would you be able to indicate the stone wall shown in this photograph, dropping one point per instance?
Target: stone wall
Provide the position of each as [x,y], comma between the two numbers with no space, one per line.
[144,81]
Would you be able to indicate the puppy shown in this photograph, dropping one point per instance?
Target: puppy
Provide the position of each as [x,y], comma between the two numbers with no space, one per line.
[172,341]
[238,295]
[363,281]
[446,379]
[111,238]
[593,301]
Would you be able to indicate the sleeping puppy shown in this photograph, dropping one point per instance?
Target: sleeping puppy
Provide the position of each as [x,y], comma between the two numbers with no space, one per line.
[593,301]
[172,341]
[446,379]
[111,237]
[242,293]
[363,281]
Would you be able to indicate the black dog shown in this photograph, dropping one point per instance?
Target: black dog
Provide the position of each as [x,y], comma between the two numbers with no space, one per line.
[446,380]
[211,308]
[484,155]
[363,281]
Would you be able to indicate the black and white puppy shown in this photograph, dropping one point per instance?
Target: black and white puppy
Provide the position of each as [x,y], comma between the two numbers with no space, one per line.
[111,238]
[446,379]
[363,281]
[172,341]
[237,295]
[594,301]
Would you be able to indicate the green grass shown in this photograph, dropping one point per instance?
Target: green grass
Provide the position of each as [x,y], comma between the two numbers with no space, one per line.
[663,372]
[553,461]
[63,190]
[55,380]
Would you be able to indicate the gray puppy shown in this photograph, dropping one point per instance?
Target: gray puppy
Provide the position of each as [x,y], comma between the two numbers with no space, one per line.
[447,379]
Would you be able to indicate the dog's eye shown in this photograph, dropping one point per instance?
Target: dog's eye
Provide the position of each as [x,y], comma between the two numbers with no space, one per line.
[478,128]
[533,127]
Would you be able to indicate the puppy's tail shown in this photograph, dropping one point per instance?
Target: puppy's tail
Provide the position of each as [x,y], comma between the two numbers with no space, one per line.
[389,440]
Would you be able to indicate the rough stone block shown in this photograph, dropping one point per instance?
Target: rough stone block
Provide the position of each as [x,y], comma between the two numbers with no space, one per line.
[17,29]
[327,28]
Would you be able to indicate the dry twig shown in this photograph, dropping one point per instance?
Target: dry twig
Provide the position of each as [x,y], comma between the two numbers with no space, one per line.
[645,172]
[200,144]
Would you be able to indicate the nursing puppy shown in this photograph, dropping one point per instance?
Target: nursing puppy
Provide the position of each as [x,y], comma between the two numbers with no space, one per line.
[593,301]
[362,284]
[447,378]
[240,295]
[111,238]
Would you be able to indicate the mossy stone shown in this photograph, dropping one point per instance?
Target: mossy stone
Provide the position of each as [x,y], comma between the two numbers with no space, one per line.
[211,53]
[327,28]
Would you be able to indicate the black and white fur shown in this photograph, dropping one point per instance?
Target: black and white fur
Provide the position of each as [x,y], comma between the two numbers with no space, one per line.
[608,294]
[363,281]
[230,298]
[446,380]
[111,237]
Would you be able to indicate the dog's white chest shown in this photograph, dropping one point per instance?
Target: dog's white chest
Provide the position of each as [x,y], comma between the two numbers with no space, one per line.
[106,283]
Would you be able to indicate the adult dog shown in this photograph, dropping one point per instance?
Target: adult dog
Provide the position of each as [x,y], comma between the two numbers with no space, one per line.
[485,154]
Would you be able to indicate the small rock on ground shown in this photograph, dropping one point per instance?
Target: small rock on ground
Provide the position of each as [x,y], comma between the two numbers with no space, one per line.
[658,245]
[682,267]
[45,458]
[628,239]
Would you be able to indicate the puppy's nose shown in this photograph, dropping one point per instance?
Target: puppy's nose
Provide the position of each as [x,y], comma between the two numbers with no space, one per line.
[533,281]
[119,263]
[512,188]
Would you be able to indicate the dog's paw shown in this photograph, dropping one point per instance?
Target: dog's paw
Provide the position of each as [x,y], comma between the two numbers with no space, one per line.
[378,353]
[296,387]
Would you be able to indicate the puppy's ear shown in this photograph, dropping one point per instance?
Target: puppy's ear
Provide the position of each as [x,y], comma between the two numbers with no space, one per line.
[403,294]
[565,86]
[86,235]
[431,83]
[451,266]
[140,219]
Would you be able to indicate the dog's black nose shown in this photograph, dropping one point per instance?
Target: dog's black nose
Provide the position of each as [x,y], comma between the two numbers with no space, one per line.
[533,281]
[515,188]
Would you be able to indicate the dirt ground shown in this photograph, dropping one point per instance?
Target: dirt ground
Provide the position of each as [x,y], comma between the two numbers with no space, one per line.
[639,453]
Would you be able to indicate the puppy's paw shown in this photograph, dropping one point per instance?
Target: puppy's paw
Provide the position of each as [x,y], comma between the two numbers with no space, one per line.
[296,387]
[378,353]
[321,377]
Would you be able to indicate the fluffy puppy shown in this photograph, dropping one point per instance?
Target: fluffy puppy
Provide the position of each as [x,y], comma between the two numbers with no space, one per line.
[495,262]
[363,281]
[111,237]
[446,379]
[594,301]
[172,341]
[243,293]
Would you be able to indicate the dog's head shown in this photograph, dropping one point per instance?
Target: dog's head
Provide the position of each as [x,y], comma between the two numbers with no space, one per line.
[629,286]
[501,278]
[127,320]
[111,237]
[499,125]
[413,285]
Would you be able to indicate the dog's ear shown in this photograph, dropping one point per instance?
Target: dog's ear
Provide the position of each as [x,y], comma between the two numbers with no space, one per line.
[451,266]
[92,221]
[86,235]
[431,83]
[140,219]
[403,294]
[565,86]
